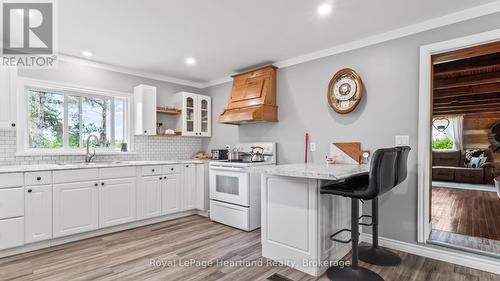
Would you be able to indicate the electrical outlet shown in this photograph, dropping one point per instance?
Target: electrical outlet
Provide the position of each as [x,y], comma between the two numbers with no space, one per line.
[313,146]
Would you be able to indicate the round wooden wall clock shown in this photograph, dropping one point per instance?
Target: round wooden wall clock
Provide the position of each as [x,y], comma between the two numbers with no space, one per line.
[345,91]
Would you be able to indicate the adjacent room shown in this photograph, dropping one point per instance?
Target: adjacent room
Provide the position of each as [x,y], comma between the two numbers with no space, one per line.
[465,149]
[282,140]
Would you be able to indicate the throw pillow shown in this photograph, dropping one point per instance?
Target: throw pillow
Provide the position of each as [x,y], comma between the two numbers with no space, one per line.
[476,162]
[469,153]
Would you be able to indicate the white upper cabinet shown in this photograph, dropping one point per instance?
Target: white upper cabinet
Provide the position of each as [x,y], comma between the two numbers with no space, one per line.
[196,115]
[145,110]
[7,98]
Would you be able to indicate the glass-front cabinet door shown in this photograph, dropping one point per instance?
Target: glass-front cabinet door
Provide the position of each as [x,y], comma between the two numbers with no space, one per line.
[189,120]
[205,114]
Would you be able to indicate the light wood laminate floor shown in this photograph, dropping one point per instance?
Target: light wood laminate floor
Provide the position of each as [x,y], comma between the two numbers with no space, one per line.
[466,212]
[127,256]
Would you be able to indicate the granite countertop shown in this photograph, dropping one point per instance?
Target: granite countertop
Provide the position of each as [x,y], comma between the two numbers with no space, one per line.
[92,165]
[313,171]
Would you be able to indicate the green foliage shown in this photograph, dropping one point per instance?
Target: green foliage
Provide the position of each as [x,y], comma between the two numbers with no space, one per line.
[444,143]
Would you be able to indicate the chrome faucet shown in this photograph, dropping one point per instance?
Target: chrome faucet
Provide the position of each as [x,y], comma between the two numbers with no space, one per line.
[89,156]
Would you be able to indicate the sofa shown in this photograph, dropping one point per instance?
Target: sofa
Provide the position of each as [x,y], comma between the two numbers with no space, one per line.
[449,165]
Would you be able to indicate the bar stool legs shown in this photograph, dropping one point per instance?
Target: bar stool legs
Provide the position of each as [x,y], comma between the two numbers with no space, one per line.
[374,254]
[354,272]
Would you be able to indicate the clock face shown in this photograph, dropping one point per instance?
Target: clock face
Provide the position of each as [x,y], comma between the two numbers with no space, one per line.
[345,91]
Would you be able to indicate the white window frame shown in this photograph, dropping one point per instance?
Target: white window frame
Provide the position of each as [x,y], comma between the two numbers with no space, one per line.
[23,148]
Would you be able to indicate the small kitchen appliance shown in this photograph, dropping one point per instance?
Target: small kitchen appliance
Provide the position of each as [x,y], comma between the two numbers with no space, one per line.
[219,154]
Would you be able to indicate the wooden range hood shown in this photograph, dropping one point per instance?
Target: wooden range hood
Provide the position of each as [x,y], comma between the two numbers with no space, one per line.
[253,97]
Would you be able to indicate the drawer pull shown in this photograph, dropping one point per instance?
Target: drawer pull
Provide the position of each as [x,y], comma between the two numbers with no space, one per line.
[38,178]
[30,190]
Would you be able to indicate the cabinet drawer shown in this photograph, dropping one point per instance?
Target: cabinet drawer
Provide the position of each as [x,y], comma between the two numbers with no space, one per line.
[38,178]
[151,170]
[11,203]
[117,173]
[76,175]
[11,233]
[172,169]
[232,215]
[11,180]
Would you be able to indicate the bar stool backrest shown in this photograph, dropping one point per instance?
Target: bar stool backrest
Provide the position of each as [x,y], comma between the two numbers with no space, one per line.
[402,163]
[382,172]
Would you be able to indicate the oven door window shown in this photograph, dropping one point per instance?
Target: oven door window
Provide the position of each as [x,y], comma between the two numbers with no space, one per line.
[227,184]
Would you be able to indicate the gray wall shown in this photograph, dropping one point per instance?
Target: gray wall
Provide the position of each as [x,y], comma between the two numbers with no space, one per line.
[390,107]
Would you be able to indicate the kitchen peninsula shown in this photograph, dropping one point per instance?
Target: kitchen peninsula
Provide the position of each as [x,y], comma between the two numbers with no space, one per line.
[297,221]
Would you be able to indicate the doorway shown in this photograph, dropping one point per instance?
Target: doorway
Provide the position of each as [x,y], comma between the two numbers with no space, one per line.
[464,157]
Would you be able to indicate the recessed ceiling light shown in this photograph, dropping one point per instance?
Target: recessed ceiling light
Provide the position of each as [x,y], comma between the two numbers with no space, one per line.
[190,61]
[87,54]
[324,9]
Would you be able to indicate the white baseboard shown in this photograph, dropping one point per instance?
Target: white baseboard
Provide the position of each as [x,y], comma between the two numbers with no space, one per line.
[471,260]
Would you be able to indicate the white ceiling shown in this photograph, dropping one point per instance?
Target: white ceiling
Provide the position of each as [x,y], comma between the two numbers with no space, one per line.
[225,36]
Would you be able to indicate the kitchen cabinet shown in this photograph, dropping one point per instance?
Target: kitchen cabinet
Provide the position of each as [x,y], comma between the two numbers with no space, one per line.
[202,198]
[11,233]
[196,115]
[117,201]
[8,97]
[75,207]
[171,194]
[149,193]
[38,213]
[145,110]
[189,188]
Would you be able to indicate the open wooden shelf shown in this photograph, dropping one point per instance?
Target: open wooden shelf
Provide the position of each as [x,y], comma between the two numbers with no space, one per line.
[177,133]
[168,111]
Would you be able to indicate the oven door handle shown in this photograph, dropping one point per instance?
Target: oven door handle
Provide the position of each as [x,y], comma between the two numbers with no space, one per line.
[234,169]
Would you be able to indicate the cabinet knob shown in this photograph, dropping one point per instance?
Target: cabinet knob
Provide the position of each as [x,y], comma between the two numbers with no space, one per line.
[13,124]
[96,184]
[30,190]
[38,178]
[153,170]
[187,166]
[102,183]
[145,132]
[161,178]
[171,169]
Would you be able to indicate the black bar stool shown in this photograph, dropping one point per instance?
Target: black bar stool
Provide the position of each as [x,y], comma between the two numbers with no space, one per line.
[380,179]
[374,254]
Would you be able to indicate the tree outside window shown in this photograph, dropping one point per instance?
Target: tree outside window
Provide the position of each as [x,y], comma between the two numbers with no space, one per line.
[65,120]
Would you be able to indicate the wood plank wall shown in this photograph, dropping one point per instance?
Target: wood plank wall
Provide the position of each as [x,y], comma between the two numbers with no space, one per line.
[476,129]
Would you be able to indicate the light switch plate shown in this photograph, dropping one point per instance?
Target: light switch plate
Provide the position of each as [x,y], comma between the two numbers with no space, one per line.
[403,140]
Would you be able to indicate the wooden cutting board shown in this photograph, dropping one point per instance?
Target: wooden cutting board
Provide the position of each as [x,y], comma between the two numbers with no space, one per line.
[346,152]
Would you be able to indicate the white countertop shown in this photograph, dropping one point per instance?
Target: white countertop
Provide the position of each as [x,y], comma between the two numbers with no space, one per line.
[314,171]
[72,166]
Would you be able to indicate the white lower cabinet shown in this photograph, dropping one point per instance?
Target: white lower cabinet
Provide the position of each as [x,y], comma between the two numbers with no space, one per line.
[11,233]
[149,194]
[189,188]
[117,201]
[171,194]
[38,213]
[75,208]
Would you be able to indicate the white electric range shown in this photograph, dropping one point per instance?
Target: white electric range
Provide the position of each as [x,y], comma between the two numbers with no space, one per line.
[235,190]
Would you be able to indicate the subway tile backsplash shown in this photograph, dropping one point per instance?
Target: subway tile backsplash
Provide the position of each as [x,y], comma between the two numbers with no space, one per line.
[146,148]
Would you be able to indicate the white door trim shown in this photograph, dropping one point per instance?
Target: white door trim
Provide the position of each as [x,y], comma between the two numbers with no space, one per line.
[424,120]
